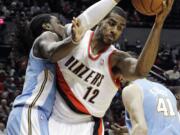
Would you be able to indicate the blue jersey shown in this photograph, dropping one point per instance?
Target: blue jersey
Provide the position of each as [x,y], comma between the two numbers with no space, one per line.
[160,109]
[39,87]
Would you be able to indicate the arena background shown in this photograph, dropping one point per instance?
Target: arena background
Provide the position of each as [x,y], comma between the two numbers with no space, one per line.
[15,44]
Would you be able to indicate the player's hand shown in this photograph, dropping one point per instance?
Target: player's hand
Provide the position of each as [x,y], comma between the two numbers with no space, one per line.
[161,16]
[119,129]
[77,31]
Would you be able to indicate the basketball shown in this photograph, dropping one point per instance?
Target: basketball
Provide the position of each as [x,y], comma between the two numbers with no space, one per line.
[148,7]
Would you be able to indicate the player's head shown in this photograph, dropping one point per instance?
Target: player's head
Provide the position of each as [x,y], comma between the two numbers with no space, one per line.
[119,11]
[112,26]
[46,22]
[175,68]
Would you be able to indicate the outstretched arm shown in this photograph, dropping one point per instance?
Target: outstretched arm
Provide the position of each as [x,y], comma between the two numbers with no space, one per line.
[149,52]
[133,102]
[138,68]
[94,14]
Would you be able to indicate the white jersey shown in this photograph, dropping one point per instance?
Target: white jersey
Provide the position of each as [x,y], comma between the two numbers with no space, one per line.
[85,81]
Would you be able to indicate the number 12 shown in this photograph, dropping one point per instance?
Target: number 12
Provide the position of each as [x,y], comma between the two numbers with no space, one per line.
[91,94]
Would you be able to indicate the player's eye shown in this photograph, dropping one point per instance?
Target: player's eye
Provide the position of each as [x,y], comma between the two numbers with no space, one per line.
[119,27]
[112,23]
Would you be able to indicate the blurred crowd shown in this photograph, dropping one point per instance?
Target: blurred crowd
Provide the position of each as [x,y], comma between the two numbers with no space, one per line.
[11,82]
[14,17]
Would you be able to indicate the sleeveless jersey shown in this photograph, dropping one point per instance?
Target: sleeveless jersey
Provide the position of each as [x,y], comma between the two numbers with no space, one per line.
[39,87]
[159,108]
[85,81]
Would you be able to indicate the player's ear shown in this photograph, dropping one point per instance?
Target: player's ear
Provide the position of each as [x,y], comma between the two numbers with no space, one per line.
[47,26]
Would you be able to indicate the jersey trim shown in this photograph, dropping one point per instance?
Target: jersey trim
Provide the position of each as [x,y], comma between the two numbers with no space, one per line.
[68,92]
[117,82]
[67,101]
[91,56]
[35,57]
[100,129]
[98,126]
[34,102]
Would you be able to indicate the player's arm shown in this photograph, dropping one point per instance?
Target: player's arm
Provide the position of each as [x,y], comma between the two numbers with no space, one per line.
[133,102]
[140,68]
[94,14]
[49,46]
[149,52]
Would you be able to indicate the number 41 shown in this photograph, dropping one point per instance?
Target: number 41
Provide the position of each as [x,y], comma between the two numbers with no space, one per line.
[165,106]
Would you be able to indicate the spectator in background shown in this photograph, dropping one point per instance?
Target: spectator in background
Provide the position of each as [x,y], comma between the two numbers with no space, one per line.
[3,115]
[172,75]
[2,127]
[125,44]
[1,87]
[165,57]
[35,9]
[45,8]
[138,46]
[5,107]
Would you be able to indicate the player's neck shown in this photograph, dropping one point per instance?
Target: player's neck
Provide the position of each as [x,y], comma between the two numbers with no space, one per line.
[97,46]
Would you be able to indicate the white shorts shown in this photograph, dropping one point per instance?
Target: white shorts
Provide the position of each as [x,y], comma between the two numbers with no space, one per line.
[64,121]
[61,128]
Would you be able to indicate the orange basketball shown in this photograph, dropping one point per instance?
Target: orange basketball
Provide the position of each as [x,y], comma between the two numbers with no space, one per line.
[148,7]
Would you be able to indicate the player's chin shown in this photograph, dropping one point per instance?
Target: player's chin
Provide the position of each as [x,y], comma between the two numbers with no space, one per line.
[108,41]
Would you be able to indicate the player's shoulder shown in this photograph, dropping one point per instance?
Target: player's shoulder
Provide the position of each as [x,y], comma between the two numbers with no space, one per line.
[130,90]
[48,35]
[131,93]
[68,28]
[120,54]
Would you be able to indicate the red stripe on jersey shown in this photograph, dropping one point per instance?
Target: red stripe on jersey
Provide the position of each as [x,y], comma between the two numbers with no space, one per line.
[68,92]
[100,129]
[116,81]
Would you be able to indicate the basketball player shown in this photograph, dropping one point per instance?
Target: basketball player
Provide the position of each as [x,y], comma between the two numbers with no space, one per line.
[152,109]
[31,110]
[89,76]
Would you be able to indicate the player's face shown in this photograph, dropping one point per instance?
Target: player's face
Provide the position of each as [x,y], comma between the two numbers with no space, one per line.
[112,27]
[57,27]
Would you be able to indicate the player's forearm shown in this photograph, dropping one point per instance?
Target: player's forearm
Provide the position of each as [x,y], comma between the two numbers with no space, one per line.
[61,49]
[139,126]
[94,14]
[149,52]
[139,130]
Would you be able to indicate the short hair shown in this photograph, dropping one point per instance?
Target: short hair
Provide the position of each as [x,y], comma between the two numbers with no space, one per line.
[37,22]
[119,11]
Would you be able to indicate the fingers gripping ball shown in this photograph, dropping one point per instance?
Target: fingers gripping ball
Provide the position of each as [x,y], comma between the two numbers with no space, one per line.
[148,7]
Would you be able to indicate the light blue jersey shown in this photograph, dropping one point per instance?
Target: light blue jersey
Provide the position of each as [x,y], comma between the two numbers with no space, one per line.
[160,109]
[32,109]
